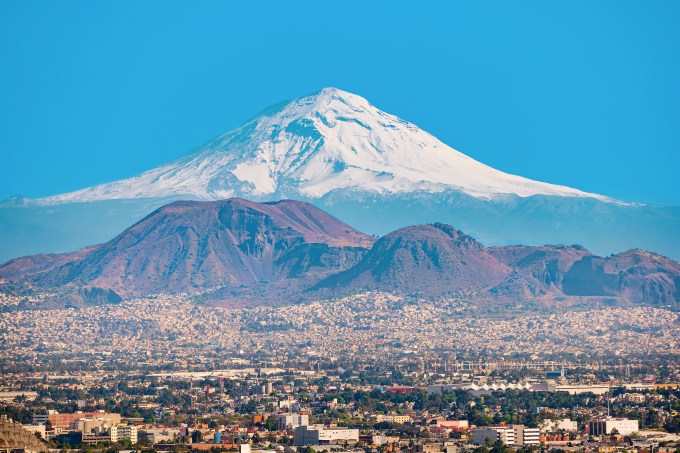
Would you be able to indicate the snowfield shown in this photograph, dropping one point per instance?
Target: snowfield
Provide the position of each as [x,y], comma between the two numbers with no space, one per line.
[328,141]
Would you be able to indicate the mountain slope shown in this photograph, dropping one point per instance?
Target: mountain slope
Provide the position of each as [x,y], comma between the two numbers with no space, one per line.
[330,140]
[538,271]
[435,260]
[427,259]
[192,246]
[636,275]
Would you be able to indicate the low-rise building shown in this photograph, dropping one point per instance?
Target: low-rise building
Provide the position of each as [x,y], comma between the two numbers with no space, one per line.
[320,435]
[605,426]
[504,433]
[455,425]
[8,397]
[63,421]
[155,435]
[392,418]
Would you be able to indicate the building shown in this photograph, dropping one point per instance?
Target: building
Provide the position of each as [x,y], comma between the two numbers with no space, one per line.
[572,389]
[526,436]
[320,435]
[556,374]
[554,426]
[38,429]
[88,425]
[439,389]
[155,435]
[576,389]
[124,432]
[392,418]
[455,425]
[605,426]
[429,447]
[41,419]
[95,437]
[8,397]
[506,434]
[13,438]
[379,439]
[63,421]
[73,438]
[291,421]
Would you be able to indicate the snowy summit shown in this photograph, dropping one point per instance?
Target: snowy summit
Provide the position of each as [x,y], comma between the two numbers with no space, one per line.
[329,141]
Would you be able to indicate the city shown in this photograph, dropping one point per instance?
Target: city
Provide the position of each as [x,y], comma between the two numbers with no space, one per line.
[373,371]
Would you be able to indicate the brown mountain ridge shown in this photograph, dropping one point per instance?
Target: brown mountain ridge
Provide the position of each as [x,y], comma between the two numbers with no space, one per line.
[191,246]
[281,252]
[437,260]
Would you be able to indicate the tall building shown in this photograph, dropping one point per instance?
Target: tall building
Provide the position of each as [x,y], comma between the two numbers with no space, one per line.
[124,432]
[290,421]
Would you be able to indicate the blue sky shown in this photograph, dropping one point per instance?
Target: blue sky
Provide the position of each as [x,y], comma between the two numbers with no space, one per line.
[581,93]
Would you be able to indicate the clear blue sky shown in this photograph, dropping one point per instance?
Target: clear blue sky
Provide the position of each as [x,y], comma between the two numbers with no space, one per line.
[581,93]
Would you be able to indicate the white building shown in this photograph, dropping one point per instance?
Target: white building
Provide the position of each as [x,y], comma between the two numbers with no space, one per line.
[508,434]
[88,425]
[41,419]
[291,421]
[576,389]
[603,426]
[553,426]
[121,432]
[505,434]
[530,436]
[319,435]
[287,402]
[8,397]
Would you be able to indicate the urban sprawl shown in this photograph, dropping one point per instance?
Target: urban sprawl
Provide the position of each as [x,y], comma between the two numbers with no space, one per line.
[368,373]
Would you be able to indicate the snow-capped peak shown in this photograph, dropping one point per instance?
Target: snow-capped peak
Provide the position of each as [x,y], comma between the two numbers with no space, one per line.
[327,141]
